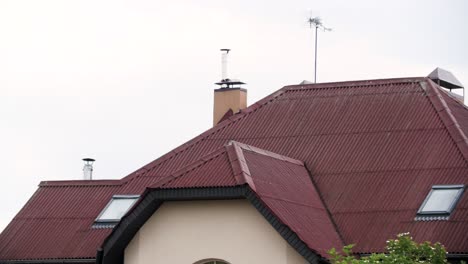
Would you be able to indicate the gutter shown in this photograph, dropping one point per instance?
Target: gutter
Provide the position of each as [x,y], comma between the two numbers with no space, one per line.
[457,256]
[450,256]
[50,261]
[99,255]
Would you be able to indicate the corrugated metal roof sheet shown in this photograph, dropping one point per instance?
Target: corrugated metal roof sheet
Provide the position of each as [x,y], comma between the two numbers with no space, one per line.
[213,170]
[287,190]
[281,183]
[374,149]
[56,223]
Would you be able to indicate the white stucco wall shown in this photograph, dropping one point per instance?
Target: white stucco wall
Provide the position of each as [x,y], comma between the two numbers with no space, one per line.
[186,232]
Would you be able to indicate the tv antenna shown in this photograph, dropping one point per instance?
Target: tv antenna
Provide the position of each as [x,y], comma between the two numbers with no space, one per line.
[316,22]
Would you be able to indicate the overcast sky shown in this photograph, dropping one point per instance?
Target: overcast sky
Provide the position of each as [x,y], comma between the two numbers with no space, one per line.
[127,81]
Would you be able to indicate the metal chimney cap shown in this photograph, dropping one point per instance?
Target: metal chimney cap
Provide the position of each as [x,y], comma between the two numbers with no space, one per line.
[89,160]
[306,82]
[445,79]
[230,82]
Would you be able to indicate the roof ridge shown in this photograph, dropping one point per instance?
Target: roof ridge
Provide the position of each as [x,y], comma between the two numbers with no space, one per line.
[295,202]
[240,169]
[190,167]
[449,94]
[220,126]
[81,183]
[353,84]
[267,153]
[239,166]
[194,141]
[252,108]
[445,114]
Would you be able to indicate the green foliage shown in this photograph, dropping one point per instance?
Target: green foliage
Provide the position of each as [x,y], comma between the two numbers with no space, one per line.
[402,250]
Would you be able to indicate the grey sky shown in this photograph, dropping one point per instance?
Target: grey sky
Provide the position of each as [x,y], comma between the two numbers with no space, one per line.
[126,81]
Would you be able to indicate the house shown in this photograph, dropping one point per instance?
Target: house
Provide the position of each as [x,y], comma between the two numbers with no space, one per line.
[307,168]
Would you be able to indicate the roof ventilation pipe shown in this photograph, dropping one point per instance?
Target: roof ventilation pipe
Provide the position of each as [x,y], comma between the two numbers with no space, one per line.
[224,62]
[88,169]
[230,98]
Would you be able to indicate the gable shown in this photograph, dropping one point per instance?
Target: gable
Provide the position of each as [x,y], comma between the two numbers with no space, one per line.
[279,188]
[188,231]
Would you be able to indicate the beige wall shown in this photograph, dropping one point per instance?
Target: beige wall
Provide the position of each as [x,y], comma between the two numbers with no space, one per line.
[186,232]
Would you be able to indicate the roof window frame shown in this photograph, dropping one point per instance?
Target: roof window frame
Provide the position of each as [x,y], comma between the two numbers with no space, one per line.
[459,187]
[115,197]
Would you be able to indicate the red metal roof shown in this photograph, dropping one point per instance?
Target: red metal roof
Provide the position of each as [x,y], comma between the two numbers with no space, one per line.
[282,184]
[373,148]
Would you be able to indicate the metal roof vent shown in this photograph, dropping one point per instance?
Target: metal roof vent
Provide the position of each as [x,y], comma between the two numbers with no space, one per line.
[304,82]
[225,81]
[445,79]
[88,168]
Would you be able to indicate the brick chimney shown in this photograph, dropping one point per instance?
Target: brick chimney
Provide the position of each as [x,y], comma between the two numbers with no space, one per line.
[228,101]
[230,98]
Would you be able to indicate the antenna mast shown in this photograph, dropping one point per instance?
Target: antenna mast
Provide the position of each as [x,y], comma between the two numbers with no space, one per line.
[317,23]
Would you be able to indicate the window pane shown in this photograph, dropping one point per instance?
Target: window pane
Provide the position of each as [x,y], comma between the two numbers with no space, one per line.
[440,200]
[117,208]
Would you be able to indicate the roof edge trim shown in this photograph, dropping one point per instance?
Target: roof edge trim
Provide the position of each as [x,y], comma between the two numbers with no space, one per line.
[446,116]
[114,245]
[351,84]
[239,165]
[85,183]
[454,256]
[50,261]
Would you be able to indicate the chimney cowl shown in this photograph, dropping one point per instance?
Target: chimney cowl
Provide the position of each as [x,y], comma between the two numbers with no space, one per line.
[88,168]
[445,79]
[227,82]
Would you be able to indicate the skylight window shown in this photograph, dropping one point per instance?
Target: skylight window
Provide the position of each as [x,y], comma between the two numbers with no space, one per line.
[441,200]
[117,208]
